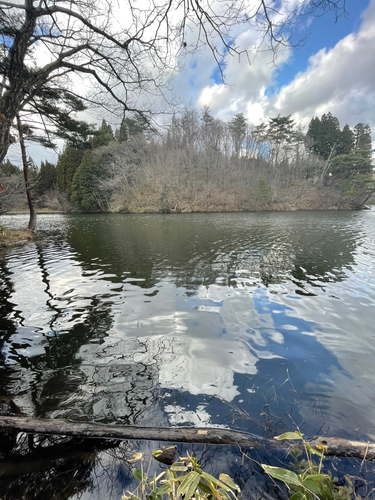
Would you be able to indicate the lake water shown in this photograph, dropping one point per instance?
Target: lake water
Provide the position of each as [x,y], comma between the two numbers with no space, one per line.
[253,321]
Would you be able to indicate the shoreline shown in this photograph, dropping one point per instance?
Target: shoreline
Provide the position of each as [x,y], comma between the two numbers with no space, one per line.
[61,212]
[14,237]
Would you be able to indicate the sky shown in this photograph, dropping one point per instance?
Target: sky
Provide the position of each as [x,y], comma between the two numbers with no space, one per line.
[333,70]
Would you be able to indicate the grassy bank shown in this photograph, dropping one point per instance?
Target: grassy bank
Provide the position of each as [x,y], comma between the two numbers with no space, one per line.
[14,237]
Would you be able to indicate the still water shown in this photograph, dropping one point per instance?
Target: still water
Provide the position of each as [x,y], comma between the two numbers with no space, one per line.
[258,322]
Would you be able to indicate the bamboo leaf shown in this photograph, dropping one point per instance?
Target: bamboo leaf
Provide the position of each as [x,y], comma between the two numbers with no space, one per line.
[180,468]
[139,475]
[193,485]
[224,494]
[164,489]
[206,489]
[214,481]
[313,481]
[157,453]
[313,451]
[186,483]
[289,435]
[229,481]
[298,496]
[286,476]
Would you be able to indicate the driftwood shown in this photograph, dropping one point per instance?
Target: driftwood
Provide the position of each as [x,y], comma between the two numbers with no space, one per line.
[214,436]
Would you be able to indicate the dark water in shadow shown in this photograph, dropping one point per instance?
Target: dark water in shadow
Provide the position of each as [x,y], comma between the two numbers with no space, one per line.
[258,322]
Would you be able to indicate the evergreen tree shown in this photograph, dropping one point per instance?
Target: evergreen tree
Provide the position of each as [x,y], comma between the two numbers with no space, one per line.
[207,118]
[346,166]
[313,136]
[362,139]
[47,178]
[68,162]
[345,142]
[281,129]
[324,135]
[132,126]
[280,135]
[103,136]
[238,129]
[330,135]
[7,169]
[84,183]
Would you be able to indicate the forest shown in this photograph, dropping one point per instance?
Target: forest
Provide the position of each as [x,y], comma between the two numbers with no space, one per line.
[197,163]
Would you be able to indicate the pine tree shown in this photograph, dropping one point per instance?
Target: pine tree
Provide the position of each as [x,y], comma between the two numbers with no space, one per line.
[238,129]
[358,160]
[47,178]
[103,136]
[362,139]
[132,126]
[68,162]
[281,129]
[7,168]
[207,118]
[84,183]
[330,135]
[280,135]
[345,142]
[313,136]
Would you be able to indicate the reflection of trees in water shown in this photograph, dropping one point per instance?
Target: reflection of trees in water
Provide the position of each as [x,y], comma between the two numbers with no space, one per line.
[196,250]
[89,372]
[72,373]
[62,468]
[53,467]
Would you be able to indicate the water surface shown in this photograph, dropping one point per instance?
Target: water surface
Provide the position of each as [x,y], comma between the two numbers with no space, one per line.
[258,322]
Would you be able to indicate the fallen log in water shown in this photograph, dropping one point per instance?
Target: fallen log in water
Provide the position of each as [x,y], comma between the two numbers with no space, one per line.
[207,435]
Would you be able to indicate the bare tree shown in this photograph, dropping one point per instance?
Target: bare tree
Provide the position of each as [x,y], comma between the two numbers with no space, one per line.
[87,39]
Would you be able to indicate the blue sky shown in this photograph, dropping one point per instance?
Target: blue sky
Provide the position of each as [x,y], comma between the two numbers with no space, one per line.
[333,71]
[324,31]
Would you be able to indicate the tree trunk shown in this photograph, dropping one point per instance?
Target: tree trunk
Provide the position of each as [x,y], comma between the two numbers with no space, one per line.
[328,162]
[30,200]
[368,196]
[205,435]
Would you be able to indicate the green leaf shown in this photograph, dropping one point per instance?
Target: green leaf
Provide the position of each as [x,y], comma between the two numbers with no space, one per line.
[181,468]
[164,489]
[224,494]
[313,451]
[289,435]
[214,481]
[286,476]
[139,475]
[298,496]
[229,481]
[313,481]
[193,485]
[206,489]
[157,453]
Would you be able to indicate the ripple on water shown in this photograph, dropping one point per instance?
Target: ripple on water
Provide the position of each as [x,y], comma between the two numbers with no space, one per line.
[235,316]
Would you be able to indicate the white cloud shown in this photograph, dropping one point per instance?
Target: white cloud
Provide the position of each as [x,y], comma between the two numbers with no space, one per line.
[340,80]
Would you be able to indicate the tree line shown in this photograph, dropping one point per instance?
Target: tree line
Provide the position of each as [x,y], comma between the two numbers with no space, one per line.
[199,163]
[100,55]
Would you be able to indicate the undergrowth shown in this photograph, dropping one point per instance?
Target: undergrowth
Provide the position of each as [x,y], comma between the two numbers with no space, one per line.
[308,482]
[185,479]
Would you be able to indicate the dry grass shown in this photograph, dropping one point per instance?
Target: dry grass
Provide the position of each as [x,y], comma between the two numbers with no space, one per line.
[14,237]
